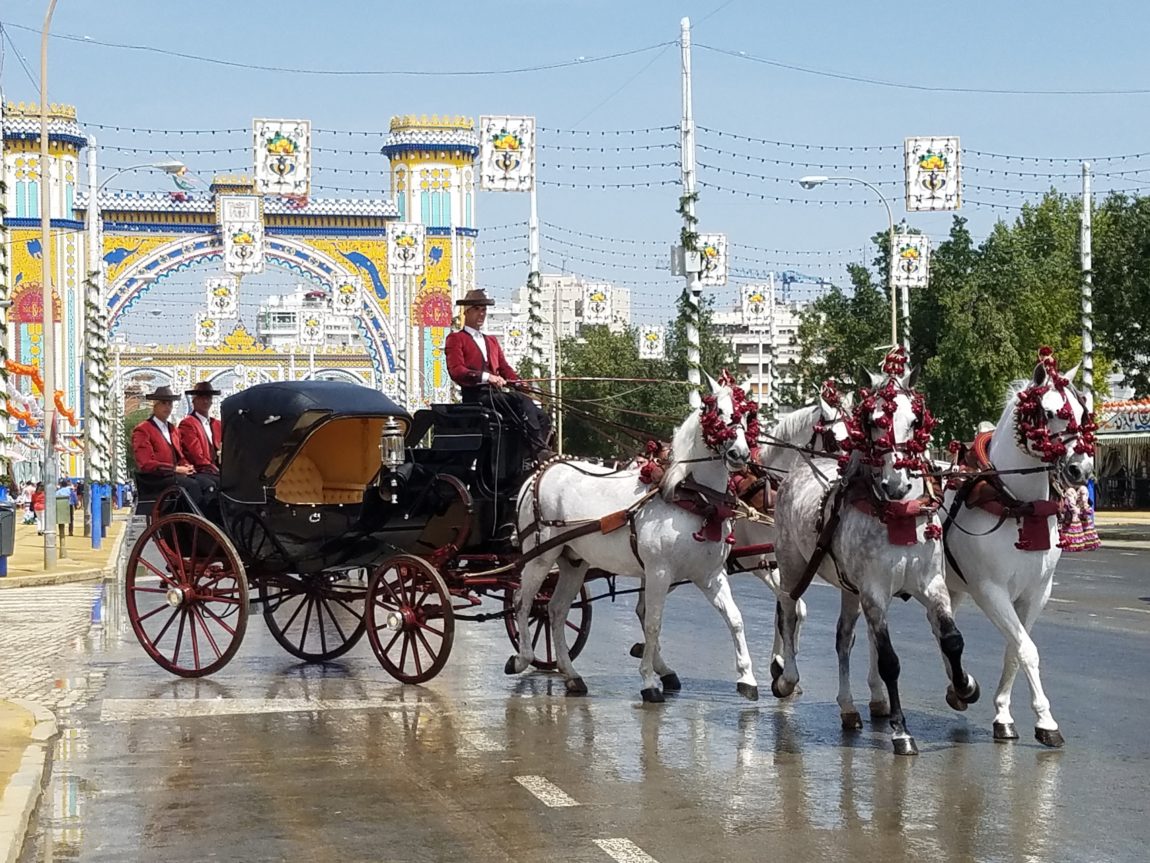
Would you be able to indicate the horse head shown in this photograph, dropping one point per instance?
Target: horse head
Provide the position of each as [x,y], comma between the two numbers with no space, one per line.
[890,430]
[1053,424]
[835,409]
[727,419]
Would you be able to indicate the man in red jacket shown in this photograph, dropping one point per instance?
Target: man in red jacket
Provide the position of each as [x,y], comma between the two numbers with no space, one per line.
[201,436]
[160,460]
[476,363]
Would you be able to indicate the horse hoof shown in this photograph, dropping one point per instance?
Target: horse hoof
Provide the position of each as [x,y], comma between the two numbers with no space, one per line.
[905,746]
[671,682]
[637,650]
[510,668]
[954,701]
[576,686]
[751,693]
[776,669]
[1049,737]
[972,695]
[879,710]
[653,695]
[851,721]
[1004,731]
[780,688]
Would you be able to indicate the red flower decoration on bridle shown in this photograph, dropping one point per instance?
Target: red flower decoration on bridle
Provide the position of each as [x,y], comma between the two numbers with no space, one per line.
[1030,420]
[744,410]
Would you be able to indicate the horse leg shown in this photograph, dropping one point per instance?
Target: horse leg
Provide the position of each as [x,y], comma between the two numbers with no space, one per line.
[637,647]
[888,667]
[844,642]
[655,589]
[963,689]
[531,578]
[718,591]
[566,590]
[770,577]
[1016,620]
[785,673]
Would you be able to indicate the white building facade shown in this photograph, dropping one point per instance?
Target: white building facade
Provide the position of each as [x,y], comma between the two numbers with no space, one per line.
[277,322]
[754,347]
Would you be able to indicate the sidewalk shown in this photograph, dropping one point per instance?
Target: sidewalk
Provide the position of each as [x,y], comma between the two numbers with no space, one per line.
[1124,525]
[26,565]
[26,732]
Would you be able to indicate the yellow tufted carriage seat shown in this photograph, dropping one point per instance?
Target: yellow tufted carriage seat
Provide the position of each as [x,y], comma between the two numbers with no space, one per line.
[334,465]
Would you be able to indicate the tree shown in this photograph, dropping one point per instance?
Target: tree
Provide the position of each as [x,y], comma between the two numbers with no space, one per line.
[1121,263]
[130,422]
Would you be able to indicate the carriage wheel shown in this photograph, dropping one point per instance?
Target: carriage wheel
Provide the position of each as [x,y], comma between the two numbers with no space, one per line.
[187,597]
[410,622]
[538,624]
[315,617]
[165,503]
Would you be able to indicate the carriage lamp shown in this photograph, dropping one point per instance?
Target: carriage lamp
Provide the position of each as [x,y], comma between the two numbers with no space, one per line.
[392,453]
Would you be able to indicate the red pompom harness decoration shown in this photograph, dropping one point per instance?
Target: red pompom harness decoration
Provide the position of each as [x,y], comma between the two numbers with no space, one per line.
[1030,420]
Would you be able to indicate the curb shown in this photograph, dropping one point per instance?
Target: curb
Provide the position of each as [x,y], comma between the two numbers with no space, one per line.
[19,800]
[53,578]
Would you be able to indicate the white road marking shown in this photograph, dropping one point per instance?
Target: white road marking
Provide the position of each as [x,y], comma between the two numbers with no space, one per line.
[1128,553]
[483,741]
[1067,601]
[624,851]
[128,709]
[548,793]
[1127,608]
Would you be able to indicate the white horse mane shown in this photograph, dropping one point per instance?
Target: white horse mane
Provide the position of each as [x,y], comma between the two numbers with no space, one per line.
[796,424]
[682,448]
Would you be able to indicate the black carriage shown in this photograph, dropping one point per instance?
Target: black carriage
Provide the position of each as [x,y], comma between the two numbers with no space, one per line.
[345,515]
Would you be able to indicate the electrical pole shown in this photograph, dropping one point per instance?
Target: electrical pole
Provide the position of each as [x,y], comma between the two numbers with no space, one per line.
[690,253]
[48,342]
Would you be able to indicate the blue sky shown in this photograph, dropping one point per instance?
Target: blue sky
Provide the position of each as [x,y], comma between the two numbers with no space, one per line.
[1022,45]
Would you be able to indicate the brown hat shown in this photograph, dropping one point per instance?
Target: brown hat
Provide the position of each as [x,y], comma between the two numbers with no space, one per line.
[162,394]
[203,388]
[477,297]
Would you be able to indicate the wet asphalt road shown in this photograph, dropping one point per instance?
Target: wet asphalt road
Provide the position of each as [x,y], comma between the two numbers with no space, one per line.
[274,760]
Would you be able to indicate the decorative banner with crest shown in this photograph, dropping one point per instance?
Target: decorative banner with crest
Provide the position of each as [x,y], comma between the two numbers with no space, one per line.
[405,249]
[222,298]
[933,174]
[713,255]
[652,342]
[241,221]
[207,330]
[347,298]
[756,306]
[911,260]
[182,378]
[515,345]
[311,329]
[597,304]
[506,154]
[283,157]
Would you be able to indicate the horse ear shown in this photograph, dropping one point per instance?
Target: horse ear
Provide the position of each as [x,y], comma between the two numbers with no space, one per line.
[911,377]
[1039,376]
[876,378]
[713,383]
[745,386]
[1073,373]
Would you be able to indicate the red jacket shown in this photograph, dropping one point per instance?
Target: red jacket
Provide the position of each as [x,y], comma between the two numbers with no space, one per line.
[201,452]
[465,360]
[153,455]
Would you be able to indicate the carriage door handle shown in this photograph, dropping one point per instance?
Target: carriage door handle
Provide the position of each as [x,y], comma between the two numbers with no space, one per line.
[314,518]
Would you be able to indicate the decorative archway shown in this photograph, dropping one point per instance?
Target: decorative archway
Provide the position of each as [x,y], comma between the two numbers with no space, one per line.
[135,278]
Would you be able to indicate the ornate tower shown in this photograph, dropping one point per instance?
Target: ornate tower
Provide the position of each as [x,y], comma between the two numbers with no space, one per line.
[23,176]
[433,184]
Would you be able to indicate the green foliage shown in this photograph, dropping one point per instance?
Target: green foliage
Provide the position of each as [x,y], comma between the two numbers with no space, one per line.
[129,422]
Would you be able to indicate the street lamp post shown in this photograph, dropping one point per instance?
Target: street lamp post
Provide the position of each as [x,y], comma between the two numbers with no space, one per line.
[94,304]
[812,181]
[48,336]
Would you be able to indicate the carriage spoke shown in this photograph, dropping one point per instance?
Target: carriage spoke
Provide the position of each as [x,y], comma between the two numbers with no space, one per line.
[430,629]
[198,614]
[319,621]
[335,623]
[175,613]
[195,641]
[295,614]
[415,653]
[149,590]
[220,621]
[194,555]
[179,635]
[155,610]
[538,632]
[342,603]
[163,575]
[550,645]
[426,644]
[306,621]
[403,651]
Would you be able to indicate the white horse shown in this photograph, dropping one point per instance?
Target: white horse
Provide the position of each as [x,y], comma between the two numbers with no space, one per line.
[636,534]
[883,501]
[1044,427]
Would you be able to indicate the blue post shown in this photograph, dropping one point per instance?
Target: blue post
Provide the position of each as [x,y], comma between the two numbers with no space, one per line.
[119,495]
[3,566]
[95,510]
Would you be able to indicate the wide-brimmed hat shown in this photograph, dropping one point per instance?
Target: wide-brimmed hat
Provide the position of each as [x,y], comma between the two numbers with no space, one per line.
[162,394]
[477,297]
[203,388]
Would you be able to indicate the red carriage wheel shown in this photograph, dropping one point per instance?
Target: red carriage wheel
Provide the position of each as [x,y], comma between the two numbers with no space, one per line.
[167,502]
[577,625]
[187,597]
[410,621]
[315,617]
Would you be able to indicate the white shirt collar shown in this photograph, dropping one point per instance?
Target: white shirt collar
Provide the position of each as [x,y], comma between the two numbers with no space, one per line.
[163,426]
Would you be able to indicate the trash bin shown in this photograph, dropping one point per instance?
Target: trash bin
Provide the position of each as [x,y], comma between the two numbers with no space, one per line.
[63,510]
[106,509]
[7,528]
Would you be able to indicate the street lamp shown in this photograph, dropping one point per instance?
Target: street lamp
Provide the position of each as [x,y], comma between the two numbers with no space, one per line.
[810,182]
[94,303]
